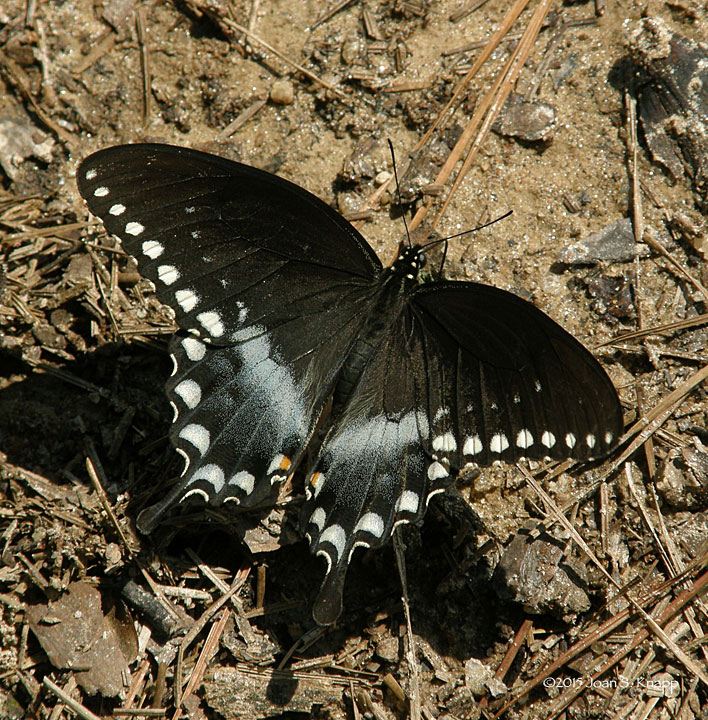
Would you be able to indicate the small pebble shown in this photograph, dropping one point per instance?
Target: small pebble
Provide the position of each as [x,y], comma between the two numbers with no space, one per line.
[282,92]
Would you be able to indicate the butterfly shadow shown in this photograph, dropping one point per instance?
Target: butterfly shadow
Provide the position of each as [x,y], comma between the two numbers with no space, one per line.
[109,402]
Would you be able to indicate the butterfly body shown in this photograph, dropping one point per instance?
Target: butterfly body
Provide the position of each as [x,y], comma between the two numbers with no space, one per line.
[283,305]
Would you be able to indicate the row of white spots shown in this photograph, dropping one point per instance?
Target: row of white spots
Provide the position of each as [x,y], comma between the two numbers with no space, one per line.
[499,442]
[132,228]
[371,523]
[214,475]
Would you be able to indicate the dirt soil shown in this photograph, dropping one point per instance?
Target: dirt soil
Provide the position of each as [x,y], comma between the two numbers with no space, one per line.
[509,614]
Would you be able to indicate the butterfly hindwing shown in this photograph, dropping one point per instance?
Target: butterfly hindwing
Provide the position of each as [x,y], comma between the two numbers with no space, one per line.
[371,473]
[467,374]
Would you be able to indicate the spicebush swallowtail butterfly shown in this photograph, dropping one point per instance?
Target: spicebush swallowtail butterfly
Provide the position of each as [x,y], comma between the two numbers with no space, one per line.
[282,306]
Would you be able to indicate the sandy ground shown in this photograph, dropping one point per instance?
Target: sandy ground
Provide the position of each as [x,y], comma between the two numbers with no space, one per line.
[73,384]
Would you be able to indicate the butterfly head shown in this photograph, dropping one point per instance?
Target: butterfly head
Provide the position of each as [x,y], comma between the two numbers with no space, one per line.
[409,262]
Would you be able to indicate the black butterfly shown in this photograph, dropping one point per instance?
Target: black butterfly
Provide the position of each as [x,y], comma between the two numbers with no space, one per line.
[283,305]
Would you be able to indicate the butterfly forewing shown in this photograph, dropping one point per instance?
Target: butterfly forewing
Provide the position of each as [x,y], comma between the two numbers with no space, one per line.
[270,302]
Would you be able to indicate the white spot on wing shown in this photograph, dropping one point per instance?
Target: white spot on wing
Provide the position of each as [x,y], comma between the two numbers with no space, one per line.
[187,299]
[101,191]
[608,437]
[197,435]
[445,443]
[524,439]
[408,502]
[473,445]
[175,411]
[91,174]
[336,536]
[189,209]
[186,459]
[590,440]
[117,209]
[211,322]
[570,440]
[498,443]
[243,480]
[152,249]
[194,348]
[371,523]
[174,366]
[134,228]
[441,412]
[548,439]
[318,518]
[315,484]
[213,474]
[168,274]
[276,464]
[437,471]
[190,392]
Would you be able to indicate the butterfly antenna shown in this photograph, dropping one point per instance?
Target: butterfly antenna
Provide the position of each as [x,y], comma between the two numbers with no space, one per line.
[444,256]
[467,232]
[398,188]
[446,240]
